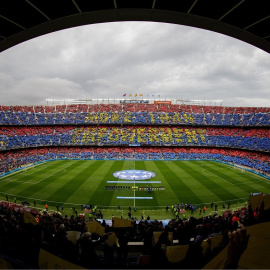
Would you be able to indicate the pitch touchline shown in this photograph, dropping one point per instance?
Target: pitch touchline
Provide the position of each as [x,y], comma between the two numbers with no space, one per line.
[239,199]
[266,181]
[42,200]
[103,206]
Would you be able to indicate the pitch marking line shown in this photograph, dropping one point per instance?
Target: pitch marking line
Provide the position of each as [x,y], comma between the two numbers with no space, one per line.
[215,175]
[26,182]
[21,172]
[247,183]
[52,175]
[40,200]
[210,173]
[205,173]
[26,173]
[254,175]
[257,177]
[34,183]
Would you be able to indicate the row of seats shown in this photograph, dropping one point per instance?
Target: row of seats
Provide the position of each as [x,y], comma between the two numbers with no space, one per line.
[134,117]
[135,107]
[9,131]
[24,137]
[11,160]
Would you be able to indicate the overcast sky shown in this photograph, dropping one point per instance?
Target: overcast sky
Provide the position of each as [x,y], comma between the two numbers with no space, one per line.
[112,59]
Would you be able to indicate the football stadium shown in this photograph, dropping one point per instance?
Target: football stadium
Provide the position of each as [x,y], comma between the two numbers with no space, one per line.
[137,161]
[134,182]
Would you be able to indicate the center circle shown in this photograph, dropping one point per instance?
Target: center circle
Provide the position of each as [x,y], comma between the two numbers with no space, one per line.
[134,175]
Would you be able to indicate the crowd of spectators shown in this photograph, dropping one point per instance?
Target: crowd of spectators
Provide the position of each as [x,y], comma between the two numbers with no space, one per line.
[134,114]
[140,107]
[11,160]
[36,136]
[36,127]
[21,239]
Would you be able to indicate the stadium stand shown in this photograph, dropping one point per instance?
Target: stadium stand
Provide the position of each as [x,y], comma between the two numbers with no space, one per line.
[135,114]
[180,128]
[240,138]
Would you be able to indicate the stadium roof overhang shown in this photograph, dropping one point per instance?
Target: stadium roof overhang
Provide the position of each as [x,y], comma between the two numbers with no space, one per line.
[246,20]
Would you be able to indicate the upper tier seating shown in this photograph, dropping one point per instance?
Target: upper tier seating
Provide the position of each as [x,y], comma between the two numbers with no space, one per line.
[134,113]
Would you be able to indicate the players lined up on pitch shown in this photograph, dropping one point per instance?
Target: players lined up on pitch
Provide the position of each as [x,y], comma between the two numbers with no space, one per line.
[136,188]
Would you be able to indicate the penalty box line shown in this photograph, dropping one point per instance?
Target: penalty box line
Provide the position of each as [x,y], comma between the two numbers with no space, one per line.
[51,175]
[8,178]
[211,173]
[33,170]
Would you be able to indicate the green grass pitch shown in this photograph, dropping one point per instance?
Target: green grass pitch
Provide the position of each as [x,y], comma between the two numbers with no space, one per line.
[76,182]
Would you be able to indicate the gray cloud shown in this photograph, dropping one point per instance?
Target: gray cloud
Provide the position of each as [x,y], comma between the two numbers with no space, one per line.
[110,59]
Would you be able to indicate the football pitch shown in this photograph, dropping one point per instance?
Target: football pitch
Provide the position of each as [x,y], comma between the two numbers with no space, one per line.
[76,182]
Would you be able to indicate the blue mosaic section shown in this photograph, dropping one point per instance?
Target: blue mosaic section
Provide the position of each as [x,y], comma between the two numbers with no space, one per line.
[134,175]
